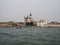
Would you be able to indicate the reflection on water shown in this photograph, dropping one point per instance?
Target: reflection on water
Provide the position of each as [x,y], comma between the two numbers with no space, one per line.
[30,36]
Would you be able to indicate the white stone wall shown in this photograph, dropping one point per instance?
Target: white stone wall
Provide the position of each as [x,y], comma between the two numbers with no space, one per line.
[42,24]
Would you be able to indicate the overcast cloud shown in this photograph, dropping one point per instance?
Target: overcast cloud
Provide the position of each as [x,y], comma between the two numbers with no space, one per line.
[15,10]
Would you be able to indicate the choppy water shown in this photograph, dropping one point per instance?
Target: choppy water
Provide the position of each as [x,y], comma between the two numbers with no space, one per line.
[30,36]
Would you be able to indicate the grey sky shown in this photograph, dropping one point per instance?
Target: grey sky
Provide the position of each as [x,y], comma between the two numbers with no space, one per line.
[15,10]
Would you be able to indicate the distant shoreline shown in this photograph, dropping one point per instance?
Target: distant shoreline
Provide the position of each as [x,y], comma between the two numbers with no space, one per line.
[22,25]
[28,27]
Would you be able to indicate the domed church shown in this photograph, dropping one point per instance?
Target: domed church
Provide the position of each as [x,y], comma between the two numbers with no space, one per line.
[29,20]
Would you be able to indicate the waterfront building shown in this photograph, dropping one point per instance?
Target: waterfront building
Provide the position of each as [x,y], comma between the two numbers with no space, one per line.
[41,23]
[29,20]
[53,25]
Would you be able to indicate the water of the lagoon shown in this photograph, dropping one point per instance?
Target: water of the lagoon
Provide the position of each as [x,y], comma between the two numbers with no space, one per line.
[30,36]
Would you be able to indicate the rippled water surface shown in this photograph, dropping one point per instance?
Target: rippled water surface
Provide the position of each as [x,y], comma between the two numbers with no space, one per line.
[30,36]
